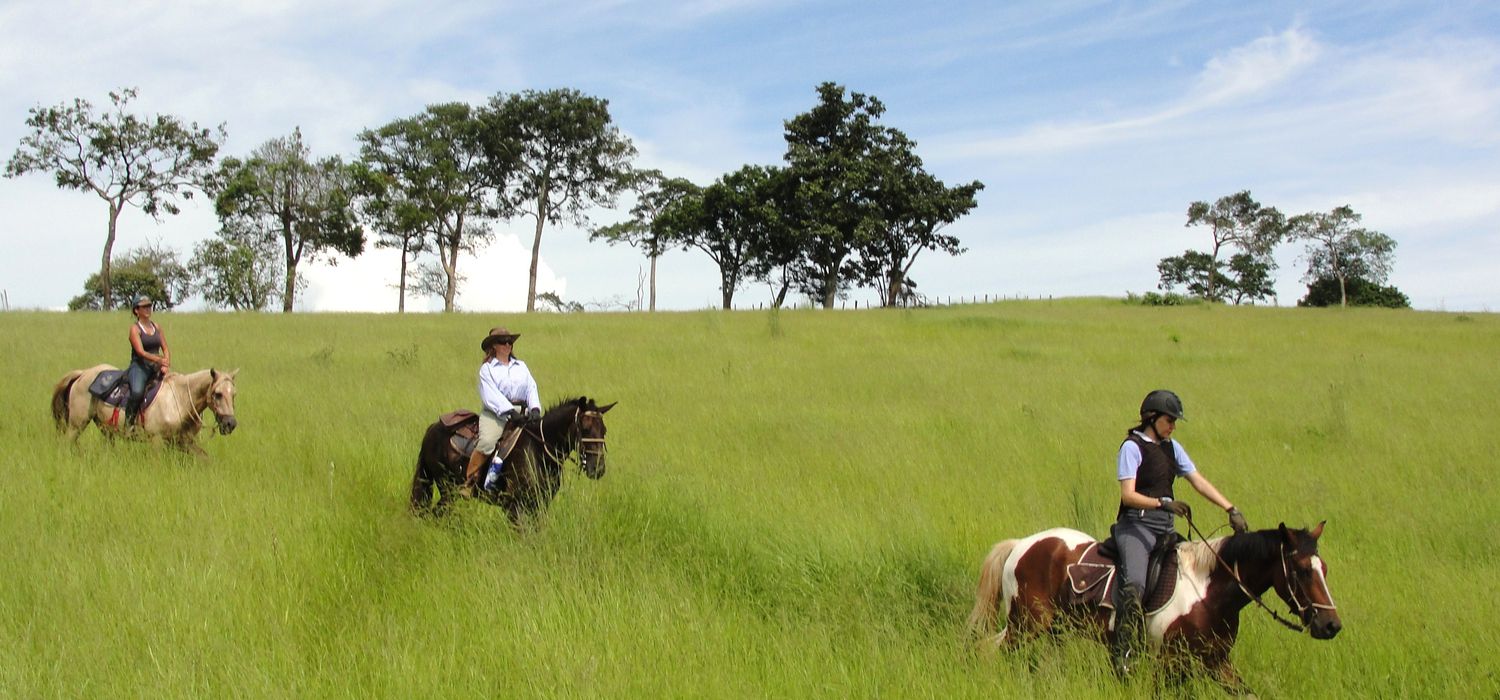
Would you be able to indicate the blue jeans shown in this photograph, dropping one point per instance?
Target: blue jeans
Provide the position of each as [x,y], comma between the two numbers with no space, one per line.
[137,375]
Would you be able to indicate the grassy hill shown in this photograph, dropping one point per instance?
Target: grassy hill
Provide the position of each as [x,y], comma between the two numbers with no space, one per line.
[796,504]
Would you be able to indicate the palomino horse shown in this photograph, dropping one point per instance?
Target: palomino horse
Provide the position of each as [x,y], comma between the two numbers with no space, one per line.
[175,416]
[1026,581]
[533,469]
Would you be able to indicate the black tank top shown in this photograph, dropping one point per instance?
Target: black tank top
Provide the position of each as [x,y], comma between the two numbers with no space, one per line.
[150,342]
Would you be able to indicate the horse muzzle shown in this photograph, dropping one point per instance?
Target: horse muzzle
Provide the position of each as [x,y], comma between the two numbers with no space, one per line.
[227,424]
[1325,625]
[593,465]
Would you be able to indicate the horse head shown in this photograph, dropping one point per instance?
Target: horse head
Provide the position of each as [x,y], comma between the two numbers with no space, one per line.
[591,432]
[221,399]
[1303,582]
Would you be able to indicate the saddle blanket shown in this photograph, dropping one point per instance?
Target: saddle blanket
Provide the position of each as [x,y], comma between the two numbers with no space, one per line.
[1092,580]
[111,388]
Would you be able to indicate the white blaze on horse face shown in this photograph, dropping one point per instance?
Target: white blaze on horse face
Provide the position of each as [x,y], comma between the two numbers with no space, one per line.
[1320,572]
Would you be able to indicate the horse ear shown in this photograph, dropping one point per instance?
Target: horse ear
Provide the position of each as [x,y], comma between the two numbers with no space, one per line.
[605,409]
[1286,535]
[1318,531]
[236,371]
[213,374]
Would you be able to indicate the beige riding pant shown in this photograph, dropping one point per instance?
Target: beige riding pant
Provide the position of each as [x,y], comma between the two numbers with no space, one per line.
[491,428]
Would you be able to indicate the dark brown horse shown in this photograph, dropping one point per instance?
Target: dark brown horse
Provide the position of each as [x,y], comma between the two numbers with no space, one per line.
[533,469]
[1027,583]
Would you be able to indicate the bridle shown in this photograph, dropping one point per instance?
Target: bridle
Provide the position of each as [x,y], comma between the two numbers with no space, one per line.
[582,445]
[1298,608]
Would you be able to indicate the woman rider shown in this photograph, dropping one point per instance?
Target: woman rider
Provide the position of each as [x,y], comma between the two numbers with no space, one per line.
[1148,462]
[506,389]
[149,356]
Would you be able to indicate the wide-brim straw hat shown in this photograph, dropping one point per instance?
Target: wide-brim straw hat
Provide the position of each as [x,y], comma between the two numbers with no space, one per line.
[498,334]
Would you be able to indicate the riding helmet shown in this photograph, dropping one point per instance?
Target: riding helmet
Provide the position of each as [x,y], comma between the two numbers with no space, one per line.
[1162,401]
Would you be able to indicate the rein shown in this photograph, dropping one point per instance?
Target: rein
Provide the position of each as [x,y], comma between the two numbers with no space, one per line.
[541,438]
[1293,626]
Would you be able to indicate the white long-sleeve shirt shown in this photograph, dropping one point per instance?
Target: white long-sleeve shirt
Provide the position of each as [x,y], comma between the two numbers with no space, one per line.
[507,385]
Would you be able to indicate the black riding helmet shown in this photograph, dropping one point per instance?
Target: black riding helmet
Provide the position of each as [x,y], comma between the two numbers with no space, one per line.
[1161,401]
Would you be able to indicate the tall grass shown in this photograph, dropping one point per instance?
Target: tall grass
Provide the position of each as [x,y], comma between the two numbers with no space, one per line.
[796,504]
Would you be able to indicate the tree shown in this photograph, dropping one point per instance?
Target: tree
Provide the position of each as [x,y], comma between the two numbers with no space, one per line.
[1354,291]
[569,157]
[729,221]
[237,272]
[654,192]
[281,194]
[1238,221]
[147,162]
[1338,249]
[914,207]
[438,174]
[399,222]
[1248,278]
[152,270]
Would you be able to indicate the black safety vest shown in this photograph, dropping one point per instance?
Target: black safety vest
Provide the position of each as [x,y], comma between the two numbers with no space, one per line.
[1158,468]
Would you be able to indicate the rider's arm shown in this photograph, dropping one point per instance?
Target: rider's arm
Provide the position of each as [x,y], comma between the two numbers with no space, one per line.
[166,355]
[533,397]
[1130,499]
[489,392]
[1203,486]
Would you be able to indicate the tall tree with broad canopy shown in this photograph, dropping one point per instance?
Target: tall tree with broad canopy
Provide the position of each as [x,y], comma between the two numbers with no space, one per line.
[914,207]
[1248,279]
[126,160]
[400,223]
[1238,221]
[280,193]
[437,173]
[730,221]
[834,152]
[653,193]
[1338,248]
[569,157]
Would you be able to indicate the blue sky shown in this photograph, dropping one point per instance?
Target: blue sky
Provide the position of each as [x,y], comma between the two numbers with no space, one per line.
[1093,125]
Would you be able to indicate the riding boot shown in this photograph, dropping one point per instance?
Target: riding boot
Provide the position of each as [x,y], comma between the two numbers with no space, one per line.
[1130,623]
[474,472]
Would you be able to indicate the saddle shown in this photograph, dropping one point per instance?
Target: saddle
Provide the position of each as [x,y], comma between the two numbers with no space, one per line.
[1092,581]
[463,432]
[111,388]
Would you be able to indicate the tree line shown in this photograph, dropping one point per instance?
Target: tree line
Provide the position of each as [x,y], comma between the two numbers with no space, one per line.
[852,205]
[1347,264]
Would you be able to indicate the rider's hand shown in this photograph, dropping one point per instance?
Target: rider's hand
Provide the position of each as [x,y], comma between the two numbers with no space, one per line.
[534,414]
[1237,521]
[1176,507]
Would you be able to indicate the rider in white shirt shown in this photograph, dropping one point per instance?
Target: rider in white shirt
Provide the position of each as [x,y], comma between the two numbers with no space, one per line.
[506,391]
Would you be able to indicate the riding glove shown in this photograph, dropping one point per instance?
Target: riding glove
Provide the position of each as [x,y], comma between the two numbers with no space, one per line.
[1237,521]
[1176,507]
[534,413]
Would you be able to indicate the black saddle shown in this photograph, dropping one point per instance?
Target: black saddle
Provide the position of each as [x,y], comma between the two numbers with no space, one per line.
[111,388]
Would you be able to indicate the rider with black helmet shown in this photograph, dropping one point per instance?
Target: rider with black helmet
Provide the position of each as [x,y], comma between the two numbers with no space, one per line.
[1147,464]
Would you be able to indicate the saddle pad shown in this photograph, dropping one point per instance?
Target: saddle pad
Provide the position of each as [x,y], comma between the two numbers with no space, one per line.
[1091,580]
[111,388]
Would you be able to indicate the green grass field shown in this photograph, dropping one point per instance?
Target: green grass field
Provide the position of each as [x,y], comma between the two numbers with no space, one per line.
[797,504]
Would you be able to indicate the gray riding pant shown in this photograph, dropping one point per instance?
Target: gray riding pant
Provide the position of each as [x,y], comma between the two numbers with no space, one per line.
[1136,534]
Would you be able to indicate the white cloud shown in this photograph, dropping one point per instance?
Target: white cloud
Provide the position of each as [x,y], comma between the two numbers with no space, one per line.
[496,280]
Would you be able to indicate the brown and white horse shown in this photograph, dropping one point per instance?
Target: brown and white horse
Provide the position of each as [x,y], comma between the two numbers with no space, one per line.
[1026,582]
[176,415]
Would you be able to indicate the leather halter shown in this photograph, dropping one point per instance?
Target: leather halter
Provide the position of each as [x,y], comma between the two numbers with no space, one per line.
[541,437]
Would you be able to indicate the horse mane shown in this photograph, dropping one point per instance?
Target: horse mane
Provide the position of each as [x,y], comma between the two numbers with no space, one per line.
[1260,545]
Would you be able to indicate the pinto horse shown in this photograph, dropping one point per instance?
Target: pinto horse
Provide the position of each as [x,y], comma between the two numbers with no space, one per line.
[1026,581]
[176,415]
[533,469]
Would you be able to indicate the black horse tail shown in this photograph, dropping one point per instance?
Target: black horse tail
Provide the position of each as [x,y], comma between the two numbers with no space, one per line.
[60,398]
[421,480]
